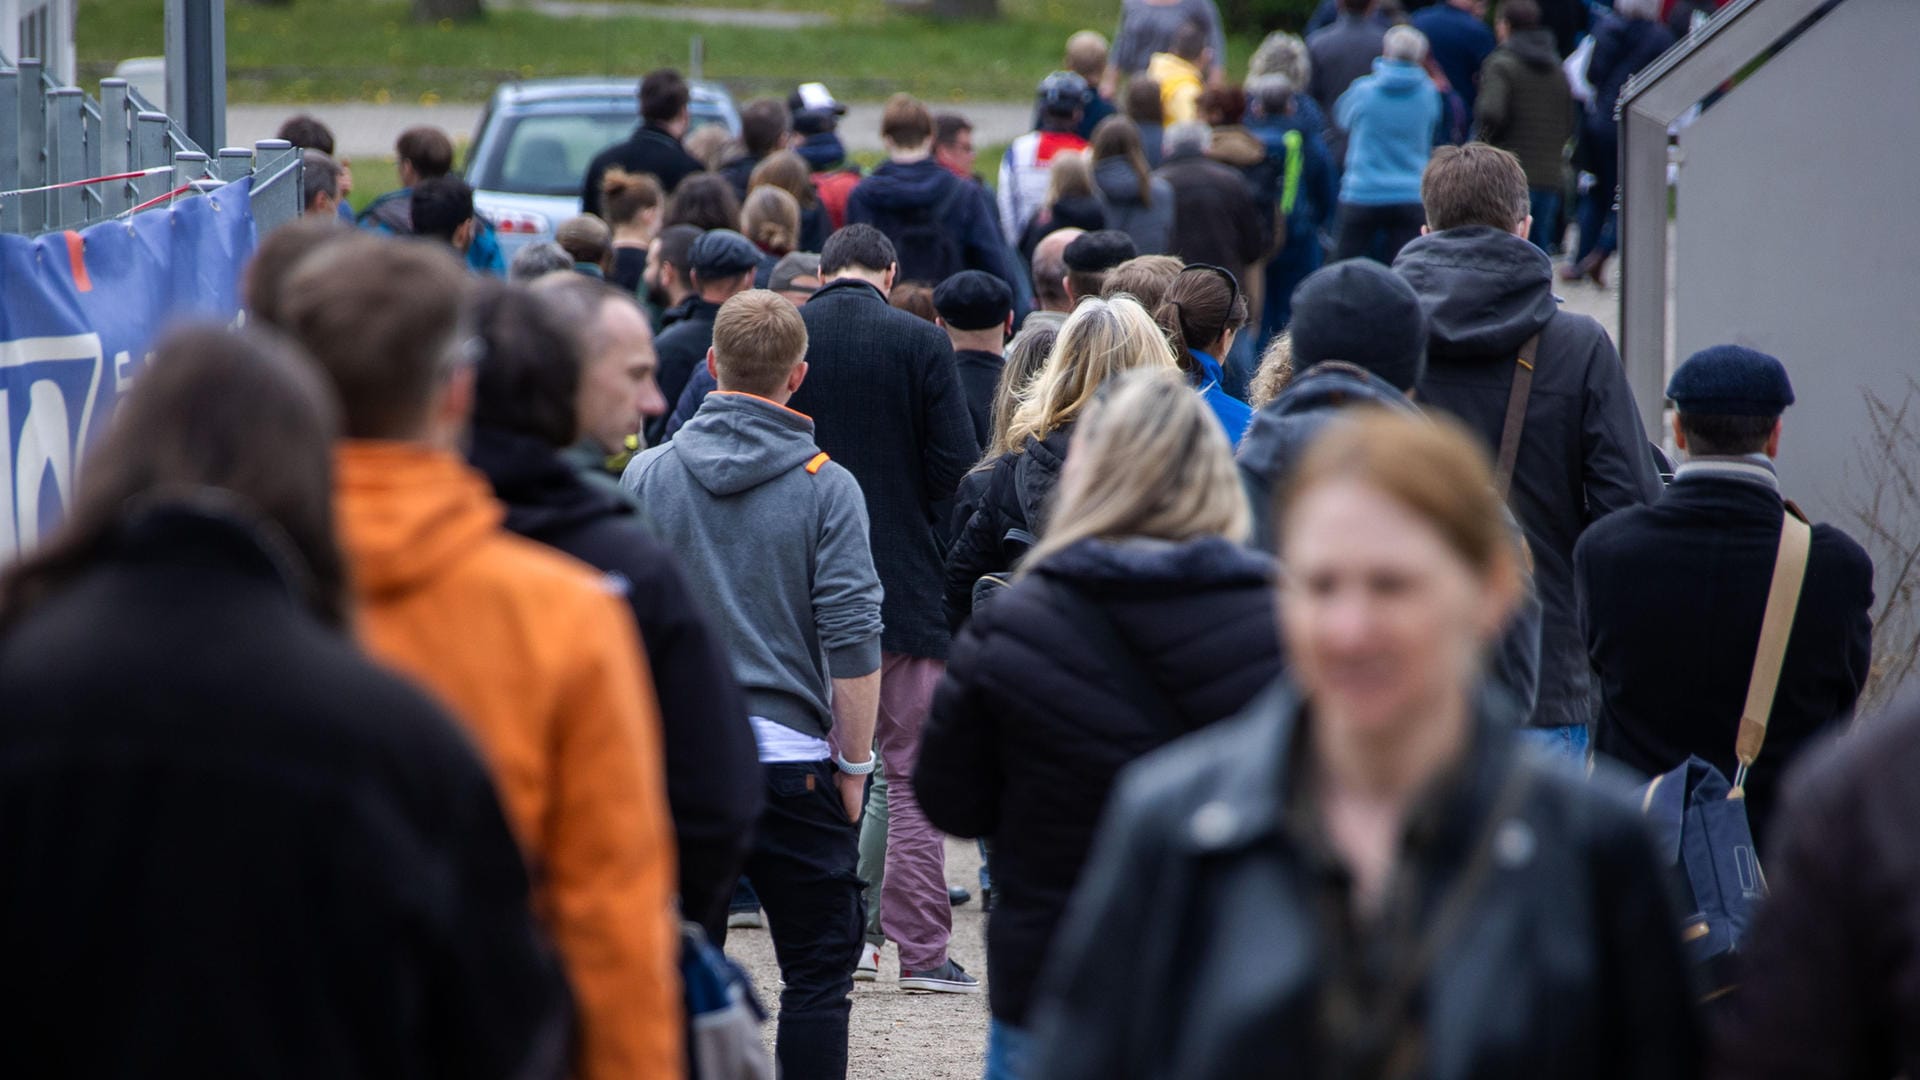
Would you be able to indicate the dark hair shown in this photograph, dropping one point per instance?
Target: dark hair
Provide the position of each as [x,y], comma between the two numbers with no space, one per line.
[915,299]
[856,245]
[235,422]
[1201,304]
[379,316]
[308,133]
[1220,105]
[279,252]
[1356,7]
[1119,137]
[1141,102]
[763,124]
[948,127]
[1475,184]
[663,96]
[440,206]
[528,379]
[319,175]
[1714,435]
[1188,42]
[676,246]
[427,149]
[1520,14]
[905,122]
[625,196]
[704,201]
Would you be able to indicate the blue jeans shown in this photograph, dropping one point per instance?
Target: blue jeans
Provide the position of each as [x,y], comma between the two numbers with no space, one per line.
[1008,1051]
[1569,742]
[1544,204]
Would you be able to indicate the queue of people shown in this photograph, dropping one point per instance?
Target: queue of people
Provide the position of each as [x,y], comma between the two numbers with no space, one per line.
[1306,645]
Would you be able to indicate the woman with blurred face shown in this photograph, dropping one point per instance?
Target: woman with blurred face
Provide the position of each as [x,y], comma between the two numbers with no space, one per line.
[1365,875]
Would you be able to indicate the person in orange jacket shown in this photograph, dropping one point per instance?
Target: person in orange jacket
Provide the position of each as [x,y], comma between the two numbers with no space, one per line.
[535,652]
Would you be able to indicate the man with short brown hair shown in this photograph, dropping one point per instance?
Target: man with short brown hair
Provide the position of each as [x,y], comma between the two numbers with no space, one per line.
[774,536]
[938,223]
[1475,184]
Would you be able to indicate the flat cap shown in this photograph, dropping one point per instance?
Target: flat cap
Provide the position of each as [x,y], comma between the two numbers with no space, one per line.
[793,266]
[1731,380]
[721,253]
[973,300]
[1362,313]
[1099,251]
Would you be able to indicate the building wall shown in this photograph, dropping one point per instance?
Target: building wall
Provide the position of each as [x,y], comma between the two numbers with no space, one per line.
[1798,233]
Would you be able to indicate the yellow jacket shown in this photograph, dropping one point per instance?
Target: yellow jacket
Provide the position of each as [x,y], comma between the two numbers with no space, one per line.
[1180,87]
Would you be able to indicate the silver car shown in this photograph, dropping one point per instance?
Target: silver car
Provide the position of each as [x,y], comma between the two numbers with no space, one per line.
[537,138]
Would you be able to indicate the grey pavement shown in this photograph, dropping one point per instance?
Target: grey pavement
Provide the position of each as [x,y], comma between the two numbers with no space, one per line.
[364,129]
[612,9]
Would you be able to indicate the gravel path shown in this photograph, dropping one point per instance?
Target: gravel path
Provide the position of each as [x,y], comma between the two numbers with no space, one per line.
[896,1034]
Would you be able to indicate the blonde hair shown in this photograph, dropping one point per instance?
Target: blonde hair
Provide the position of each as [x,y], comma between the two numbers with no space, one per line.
[1025,357]
[1101,339]
[771,219]
[1274,373]
[1149,460]
[1070,176]
[757,339]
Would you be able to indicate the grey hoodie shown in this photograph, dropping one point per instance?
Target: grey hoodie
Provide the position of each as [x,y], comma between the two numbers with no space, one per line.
[773,540]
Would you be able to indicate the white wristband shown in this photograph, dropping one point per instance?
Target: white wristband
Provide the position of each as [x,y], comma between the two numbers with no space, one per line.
[851,769]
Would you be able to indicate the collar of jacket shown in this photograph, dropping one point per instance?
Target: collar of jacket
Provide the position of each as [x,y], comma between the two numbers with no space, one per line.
[649,128]
[215,529]
[849,287]
[1745,468]
[1255,789]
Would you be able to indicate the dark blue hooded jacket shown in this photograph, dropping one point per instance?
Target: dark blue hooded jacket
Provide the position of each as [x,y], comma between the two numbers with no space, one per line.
[895,193]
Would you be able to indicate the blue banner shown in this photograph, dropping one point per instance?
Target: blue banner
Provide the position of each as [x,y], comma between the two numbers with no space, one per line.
[79,313]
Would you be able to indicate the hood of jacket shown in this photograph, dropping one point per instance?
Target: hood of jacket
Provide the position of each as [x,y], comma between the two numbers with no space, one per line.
[736,442]
[406,513]
[1117,181]
[543,492]
[1036,472]
[1398,77]
[900,186]
[1282,427]
[822,151]
[1534,48]
[1236,146]
[1084,212]
[1205,562]
[1485,291]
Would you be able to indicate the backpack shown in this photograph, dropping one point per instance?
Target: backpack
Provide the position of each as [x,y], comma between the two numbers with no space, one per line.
[833,187]
[925,247]
[723,1016]
[1700,820]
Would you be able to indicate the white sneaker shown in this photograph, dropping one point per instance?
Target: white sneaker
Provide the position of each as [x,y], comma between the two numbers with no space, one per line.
[868,967]
[948,978]
[745,920]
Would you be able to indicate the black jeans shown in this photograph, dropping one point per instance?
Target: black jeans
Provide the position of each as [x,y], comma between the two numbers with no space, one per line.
[802,866]
[1361,225]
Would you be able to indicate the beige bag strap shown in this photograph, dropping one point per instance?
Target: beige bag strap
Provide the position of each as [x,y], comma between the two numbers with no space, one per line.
[1783,599]
[1516,416]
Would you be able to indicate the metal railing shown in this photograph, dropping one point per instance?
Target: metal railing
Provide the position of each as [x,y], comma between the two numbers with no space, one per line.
[56,142]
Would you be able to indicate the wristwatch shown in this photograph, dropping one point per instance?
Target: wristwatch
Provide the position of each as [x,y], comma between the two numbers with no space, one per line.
[851,769]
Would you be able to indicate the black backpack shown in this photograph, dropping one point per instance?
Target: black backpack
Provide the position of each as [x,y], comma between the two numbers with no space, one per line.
[924,245]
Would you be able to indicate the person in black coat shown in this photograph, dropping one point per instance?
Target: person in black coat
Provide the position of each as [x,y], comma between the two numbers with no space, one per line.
[1215,220]
[976,311]
[654,147]
[234,845]
[1140,619]
[1582,451]
[525,402]
[1671,594]
[1366,873]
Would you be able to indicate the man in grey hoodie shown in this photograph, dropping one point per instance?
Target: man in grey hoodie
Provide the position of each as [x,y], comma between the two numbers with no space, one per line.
[773,539]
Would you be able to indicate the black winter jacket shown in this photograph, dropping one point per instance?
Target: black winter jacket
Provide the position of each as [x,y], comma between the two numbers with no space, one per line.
[1583,453]
[1014,499]
[648,150]
[1034,718]
[1210,936]
[887,406]
[682,350]
[1215,220]
[1671,596]
[979,374]
[713,775]
[236,847]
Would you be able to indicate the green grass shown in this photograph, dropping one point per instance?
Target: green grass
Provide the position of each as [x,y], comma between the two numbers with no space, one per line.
[369,50]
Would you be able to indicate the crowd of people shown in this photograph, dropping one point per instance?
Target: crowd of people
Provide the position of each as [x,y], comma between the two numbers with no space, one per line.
[432,671]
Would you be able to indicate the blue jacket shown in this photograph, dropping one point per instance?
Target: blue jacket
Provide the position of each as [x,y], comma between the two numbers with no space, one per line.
[1459,42]
[1313,190]
[891,196]
[1231,411]
[1389,118]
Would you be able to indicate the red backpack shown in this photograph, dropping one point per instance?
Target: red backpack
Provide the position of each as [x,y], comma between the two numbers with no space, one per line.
[834,187]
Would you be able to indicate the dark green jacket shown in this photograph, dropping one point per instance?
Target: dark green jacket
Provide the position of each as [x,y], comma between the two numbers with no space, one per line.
[1525,107]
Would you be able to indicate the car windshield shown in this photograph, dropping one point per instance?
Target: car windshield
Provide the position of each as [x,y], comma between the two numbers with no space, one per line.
[548,153]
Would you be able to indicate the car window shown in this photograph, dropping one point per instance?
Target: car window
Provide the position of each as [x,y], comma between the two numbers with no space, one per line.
[548,154]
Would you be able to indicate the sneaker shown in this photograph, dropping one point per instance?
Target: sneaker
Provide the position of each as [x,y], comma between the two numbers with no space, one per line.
[748,919]
[948,978]
[957,895]
[868,967]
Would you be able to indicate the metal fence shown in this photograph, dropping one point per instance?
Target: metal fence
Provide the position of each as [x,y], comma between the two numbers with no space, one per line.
[68,160]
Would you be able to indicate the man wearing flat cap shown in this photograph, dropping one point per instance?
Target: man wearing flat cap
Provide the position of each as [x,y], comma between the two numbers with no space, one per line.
[976,311]
[1090,257]
[720,264]
[1671,594]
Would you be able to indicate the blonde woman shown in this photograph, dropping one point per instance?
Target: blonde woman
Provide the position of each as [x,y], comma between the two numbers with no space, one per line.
[1098,341]
[1138,618]
[1025,356]
[1365,874]
[1072,201]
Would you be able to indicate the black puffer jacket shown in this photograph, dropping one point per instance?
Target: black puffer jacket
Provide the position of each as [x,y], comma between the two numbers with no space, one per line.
[1015,498]
[713,772]
[1032,720]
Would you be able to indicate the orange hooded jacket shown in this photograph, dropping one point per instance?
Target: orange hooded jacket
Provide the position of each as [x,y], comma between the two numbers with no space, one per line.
[539,659]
